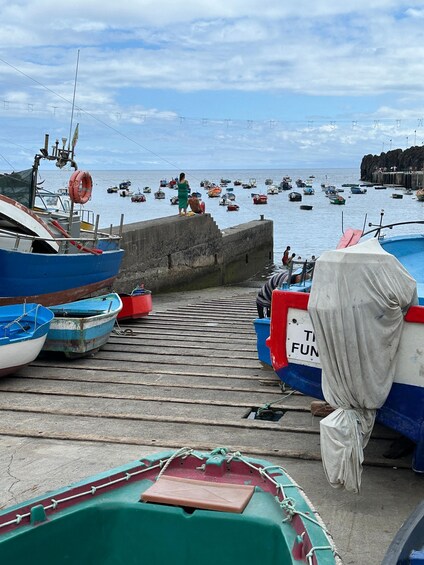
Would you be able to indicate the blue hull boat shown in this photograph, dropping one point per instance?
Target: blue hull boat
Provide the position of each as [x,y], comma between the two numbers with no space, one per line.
[82,327]
[55,278]
[23,331]
[47,257]
[295,356]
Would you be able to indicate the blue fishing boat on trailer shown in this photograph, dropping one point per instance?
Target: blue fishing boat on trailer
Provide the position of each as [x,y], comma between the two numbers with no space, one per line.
[82,327]
[365,326]
[65,262]
[23,331]
[173,507]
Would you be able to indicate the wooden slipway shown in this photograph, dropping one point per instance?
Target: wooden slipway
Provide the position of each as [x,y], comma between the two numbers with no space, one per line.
[187,375]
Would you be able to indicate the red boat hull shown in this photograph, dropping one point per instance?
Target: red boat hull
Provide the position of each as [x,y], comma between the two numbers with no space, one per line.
[135,306]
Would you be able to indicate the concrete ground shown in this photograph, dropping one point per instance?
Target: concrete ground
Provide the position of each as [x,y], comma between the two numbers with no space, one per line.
[362,525]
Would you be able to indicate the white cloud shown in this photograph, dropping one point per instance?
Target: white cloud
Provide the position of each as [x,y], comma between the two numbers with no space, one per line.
[367,53]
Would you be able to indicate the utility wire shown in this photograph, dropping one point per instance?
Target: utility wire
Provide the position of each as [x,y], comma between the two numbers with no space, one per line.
[91,115]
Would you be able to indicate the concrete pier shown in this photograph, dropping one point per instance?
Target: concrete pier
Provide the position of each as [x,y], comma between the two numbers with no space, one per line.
[407,179]
[184,253]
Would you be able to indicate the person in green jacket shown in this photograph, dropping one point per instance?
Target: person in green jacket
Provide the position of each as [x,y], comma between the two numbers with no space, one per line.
[183,191]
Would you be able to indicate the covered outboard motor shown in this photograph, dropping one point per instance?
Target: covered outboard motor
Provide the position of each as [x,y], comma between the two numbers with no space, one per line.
[358,299]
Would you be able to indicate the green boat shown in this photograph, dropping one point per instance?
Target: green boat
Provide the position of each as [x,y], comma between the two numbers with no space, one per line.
[182,507]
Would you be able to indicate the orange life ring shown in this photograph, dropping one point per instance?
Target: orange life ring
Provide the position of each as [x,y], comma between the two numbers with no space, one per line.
[80,187]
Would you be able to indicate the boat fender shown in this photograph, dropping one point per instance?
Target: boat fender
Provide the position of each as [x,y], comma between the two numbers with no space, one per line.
[80,187]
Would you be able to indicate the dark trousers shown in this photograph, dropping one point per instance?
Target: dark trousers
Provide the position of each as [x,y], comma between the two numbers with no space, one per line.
[263,311]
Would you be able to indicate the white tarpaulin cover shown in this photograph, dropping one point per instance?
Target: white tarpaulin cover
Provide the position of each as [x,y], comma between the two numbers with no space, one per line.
[358,298]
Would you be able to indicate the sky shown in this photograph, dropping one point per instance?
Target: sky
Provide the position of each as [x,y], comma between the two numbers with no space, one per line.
[201,84]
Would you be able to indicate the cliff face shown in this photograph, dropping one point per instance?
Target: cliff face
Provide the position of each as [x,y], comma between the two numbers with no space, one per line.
[411,159]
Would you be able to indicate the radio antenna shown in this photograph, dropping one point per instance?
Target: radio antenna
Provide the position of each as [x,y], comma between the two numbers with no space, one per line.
[73,102]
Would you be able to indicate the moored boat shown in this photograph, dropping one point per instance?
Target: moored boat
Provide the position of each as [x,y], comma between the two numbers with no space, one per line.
[214,191]
[259,198]
[295,197]
[172,507]
[138,197]
[82,327]
[23,331]
[159,194]
[336,199]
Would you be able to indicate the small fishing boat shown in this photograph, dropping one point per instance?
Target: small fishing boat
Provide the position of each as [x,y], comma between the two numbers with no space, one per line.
[336,199]
[232,207]
[230,195]
[160,194]
[23,331]
[268,182]
[397,196]
[260,198]
[306,206]
[172,507]
[237,182]
[137,304]
[40,261]
[214,191]
[112,189]
[356,189]
[81,328]
[124,184]
[286,184]
[125,192]
[163,183]
[295,197]
[407,546]
[272,189]
[138,197]
[147,190]
[174,200]
[308,191]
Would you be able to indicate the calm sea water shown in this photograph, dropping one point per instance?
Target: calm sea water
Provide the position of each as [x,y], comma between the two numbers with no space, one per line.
[307,232]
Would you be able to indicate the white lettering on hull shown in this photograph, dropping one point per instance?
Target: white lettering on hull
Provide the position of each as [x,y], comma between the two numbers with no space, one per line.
[301,345]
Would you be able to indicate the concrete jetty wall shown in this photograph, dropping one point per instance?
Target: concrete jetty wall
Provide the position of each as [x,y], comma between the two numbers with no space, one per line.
[185,253]
[408,179]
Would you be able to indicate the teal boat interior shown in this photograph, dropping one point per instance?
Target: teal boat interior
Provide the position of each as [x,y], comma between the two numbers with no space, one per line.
[105,521]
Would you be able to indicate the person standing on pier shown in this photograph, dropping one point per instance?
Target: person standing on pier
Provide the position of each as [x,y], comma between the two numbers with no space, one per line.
[183,191]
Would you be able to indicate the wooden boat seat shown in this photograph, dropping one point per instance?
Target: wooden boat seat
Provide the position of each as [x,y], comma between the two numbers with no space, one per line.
[177,491]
